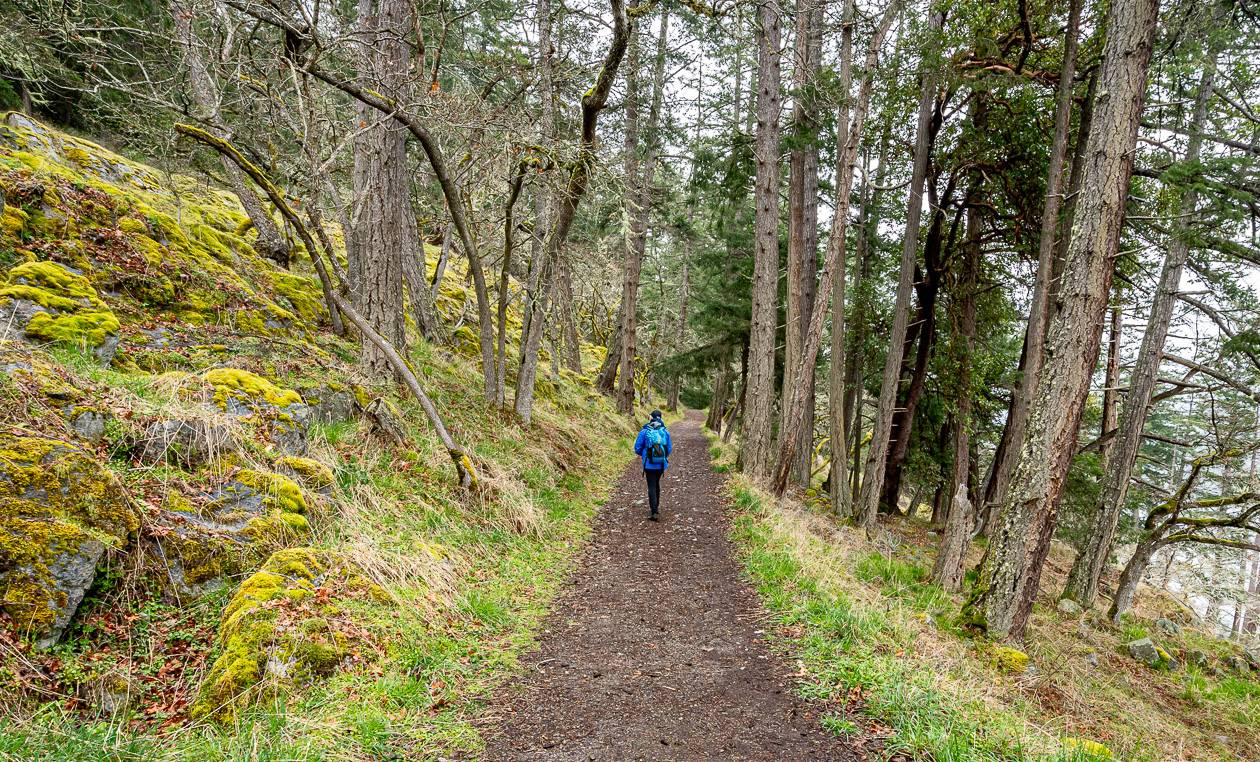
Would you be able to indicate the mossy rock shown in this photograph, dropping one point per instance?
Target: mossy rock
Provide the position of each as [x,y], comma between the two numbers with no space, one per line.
[280,629]
[310,472]
[59,511]
[1012,661]
[1092,750]
[46,302]
[234,387]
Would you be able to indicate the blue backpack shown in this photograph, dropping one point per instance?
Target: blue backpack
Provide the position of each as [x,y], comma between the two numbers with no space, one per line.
[655,441]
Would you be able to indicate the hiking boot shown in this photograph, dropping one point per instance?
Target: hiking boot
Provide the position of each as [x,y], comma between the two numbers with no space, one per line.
[654,516]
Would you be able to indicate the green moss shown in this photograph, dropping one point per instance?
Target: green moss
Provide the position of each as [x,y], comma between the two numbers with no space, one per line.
[1009,660]
[1092,749]
[303,295]
[76,317]
[230,383]
[250,636]
[276,529]
[312,473]
[68,483]
[54,498]
[92,328]
[14,221]
[278,491]
[51,277]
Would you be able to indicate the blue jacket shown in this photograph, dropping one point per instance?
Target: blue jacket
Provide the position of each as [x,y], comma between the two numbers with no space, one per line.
[641,445]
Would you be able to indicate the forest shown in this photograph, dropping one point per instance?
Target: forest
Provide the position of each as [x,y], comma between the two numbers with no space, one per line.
[326,328]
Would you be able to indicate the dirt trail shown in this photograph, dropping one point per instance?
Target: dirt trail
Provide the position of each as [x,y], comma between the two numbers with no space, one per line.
[654,652]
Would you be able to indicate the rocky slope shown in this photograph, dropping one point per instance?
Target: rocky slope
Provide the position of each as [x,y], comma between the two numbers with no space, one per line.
[178,426]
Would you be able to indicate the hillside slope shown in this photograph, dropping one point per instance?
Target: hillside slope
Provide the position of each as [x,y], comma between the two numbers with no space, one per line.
[217,539]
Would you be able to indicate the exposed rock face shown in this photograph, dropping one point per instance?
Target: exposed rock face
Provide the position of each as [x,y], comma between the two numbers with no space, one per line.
[59,511]
[188,442]
[249,516]
[46,302]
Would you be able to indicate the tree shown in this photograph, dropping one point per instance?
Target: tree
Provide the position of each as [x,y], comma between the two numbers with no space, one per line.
[873,474]
[639,176]
[1082,584]
[759,395]
[1011,571]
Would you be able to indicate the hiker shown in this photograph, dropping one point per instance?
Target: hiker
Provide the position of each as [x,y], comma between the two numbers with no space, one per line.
[654,446]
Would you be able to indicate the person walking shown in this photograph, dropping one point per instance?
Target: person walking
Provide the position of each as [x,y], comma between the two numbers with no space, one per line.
[654,446]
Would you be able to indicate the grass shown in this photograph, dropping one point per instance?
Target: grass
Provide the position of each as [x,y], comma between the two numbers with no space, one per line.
[470,580]
[878,646]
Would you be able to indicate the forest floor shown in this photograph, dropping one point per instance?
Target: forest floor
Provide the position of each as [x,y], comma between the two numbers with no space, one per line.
[657,649]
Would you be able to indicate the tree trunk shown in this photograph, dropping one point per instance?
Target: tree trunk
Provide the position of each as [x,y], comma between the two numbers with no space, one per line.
[873,476]
[1131,577]
[721,390]
[1082,584]
[738,410]
[1011,572]
[802,262]
[849,133]
[639,196]
[1111,384]
[270,242]
[1035,335]
[956,537]
[675,384]
[606,379]
[759,396]
[384,231]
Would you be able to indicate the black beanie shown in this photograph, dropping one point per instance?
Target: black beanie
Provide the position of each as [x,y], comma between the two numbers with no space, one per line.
[656,414]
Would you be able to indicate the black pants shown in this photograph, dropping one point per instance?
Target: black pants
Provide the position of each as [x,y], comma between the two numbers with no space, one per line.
[654,487]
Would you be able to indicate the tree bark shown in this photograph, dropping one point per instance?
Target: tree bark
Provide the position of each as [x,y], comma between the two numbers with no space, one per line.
[1038,314]
[1011,572]
[873,476]
[759,396]
[1082,584]
[639,178]
[384,228]
[802,262]
[849,134]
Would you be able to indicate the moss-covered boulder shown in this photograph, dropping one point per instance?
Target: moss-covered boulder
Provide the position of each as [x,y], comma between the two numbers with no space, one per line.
[281,411]
[46,302]
[311,473]
[283,627]
[59,511]
[1010,660]
[228,531]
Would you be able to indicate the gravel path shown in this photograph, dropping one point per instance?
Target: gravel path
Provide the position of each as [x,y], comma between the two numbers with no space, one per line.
[655,650]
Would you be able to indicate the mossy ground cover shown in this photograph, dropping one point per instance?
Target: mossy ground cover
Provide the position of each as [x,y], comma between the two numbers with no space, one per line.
[876,638]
